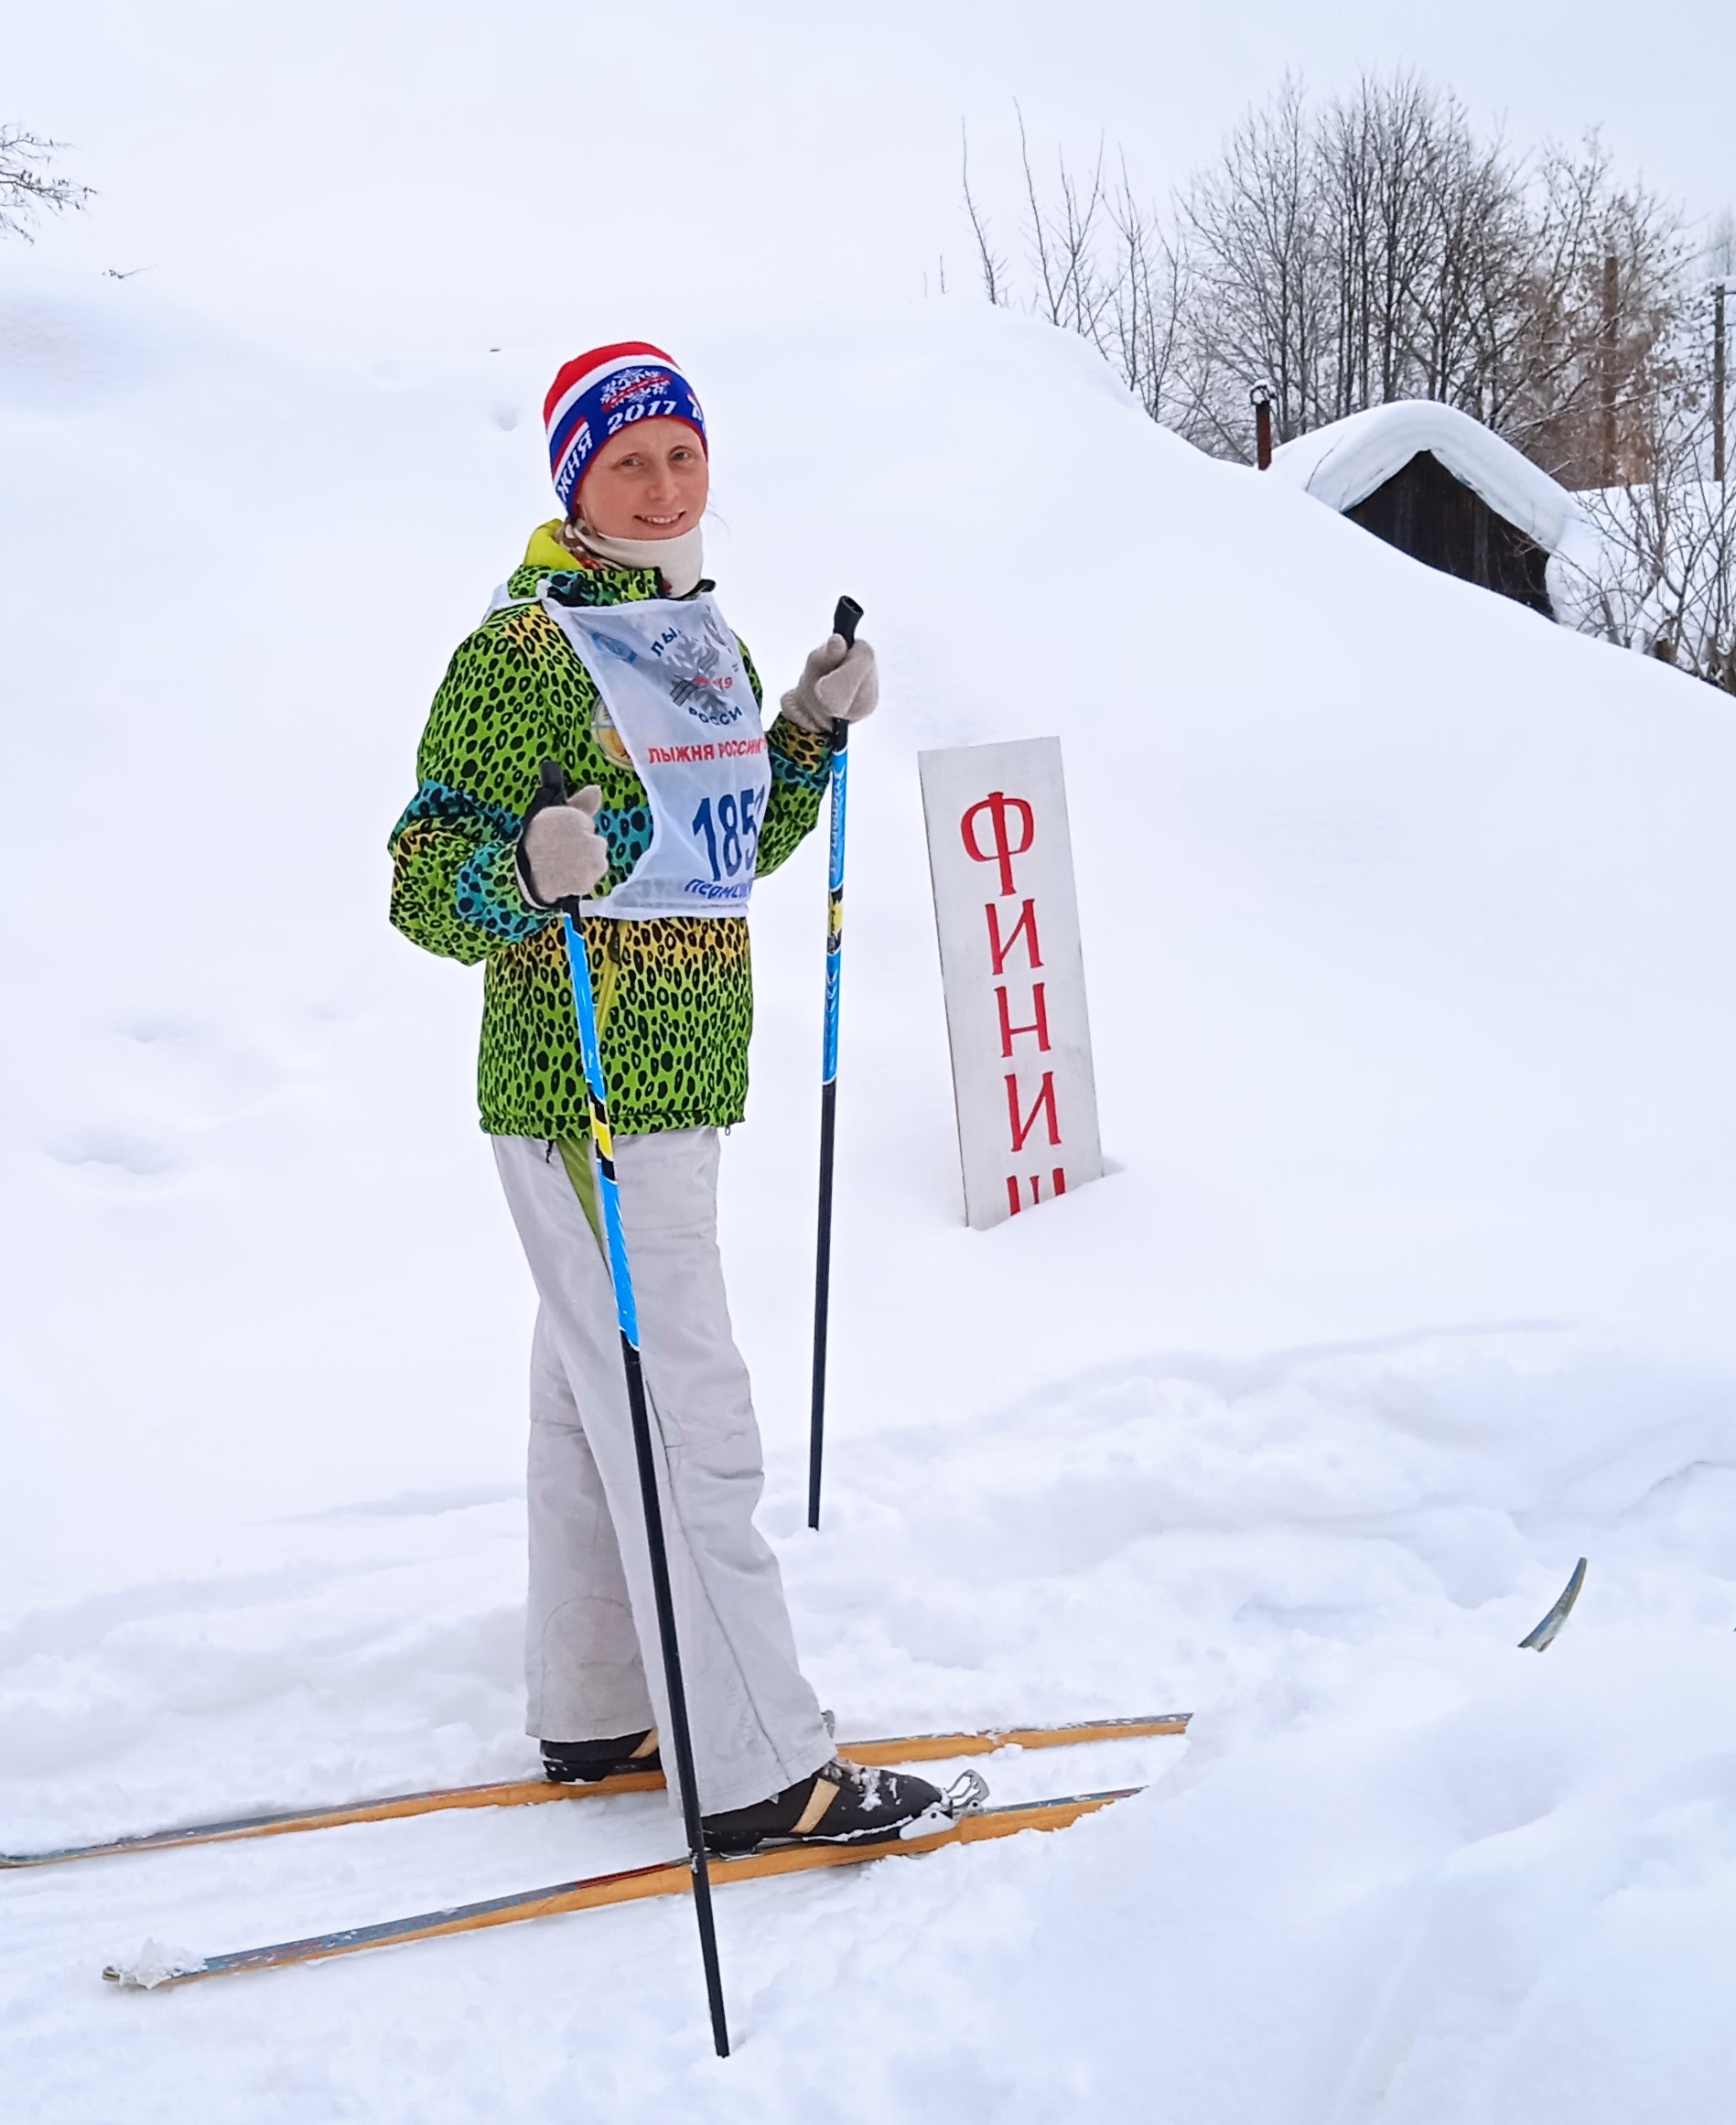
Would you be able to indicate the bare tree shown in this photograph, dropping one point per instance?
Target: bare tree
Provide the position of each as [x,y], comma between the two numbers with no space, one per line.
[1101,265]
[1061,239]
[1252,229]
[991,263]
[1356,254]
[1375,247]
[1144,330]
[1662,577]
[1598,353]
[1372,248]
[1382,168]
[26,190]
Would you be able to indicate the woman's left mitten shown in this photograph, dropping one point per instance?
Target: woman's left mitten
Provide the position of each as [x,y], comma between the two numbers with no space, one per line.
[838,685]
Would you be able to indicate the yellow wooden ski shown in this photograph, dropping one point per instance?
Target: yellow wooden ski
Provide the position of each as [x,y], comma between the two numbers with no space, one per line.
[157,1969]
[532,1792]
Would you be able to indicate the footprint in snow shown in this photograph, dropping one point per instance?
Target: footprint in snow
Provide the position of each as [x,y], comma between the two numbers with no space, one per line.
[114,1149]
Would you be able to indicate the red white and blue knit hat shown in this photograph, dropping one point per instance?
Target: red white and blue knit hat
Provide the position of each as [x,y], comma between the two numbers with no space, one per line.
[603,391]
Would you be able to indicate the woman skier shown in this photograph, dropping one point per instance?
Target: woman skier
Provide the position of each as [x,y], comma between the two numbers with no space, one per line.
[605,652]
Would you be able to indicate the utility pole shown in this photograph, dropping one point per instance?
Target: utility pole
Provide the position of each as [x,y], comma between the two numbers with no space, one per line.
[1611,314]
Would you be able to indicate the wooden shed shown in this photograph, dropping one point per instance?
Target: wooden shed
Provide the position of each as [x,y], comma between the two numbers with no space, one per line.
[1444,489]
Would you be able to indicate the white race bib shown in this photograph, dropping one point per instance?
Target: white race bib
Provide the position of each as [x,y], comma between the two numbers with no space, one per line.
[677,692]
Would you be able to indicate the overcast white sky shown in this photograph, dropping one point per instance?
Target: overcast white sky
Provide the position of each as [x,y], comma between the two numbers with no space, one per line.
[423,173]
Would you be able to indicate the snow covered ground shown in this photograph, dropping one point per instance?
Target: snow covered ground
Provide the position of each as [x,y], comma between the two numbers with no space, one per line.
[1407,922]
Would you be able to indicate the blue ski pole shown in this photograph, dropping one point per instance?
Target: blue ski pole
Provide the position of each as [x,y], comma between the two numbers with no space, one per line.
[554,792]
[844,622]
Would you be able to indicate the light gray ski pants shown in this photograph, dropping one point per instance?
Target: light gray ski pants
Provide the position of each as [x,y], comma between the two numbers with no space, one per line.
[592,1662]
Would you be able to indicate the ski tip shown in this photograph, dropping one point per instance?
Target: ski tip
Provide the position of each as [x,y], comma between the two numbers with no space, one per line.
[1546,1632]
[156,1963]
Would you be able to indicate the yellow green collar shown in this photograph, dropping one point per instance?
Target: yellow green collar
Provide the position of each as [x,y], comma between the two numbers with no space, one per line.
[545,550]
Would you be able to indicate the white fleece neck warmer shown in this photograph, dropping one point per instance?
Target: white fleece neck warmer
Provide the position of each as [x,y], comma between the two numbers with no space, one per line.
[682,559]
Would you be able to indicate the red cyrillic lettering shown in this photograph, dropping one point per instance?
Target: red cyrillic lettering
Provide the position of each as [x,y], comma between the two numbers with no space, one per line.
[998,805]
[1025,926]
[1044,1105]
[1057,1186]
[1039,1025]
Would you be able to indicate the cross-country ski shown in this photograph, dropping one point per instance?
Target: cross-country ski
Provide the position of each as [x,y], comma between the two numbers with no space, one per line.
[889,1749]
[539,1382]
[970,1825]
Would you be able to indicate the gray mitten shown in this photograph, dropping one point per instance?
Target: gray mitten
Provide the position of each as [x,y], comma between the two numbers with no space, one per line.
[836,686]
[561,854]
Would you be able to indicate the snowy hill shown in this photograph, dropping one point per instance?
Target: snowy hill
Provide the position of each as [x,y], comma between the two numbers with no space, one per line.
[1406,922]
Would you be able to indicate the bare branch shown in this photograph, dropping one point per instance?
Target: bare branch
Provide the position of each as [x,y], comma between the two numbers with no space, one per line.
[25,191]
[992,269]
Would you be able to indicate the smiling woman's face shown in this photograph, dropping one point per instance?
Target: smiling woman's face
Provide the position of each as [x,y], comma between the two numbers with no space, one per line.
[649,482]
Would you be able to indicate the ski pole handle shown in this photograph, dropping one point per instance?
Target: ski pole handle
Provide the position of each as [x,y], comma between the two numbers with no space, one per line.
[551,789]
[845,616]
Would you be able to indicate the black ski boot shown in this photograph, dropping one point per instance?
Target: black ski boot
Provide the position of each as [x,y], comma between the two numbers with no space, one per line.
[584,1762]
[839,1804]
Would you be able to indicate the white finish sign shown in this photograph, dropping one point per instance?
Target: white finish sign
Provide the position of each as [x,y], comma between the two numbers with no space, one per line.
[1014,979]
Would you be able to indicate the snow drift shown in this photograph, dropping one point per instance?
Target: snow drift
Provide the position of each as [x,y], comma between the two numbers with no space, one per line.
[1404,913]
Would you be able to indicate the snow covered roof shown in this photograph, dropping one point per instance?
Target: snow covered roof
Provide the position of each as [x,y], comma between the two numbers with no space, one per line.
[1343,464]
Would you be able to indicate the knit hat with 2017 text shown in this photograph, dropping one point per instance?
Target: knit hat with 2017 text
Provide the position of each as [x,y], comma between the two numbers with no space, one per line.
[597,394]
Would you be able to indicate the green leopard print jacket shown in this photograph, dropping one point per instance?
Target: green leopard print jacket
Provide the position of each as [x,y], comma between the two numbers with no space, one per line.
[675,995]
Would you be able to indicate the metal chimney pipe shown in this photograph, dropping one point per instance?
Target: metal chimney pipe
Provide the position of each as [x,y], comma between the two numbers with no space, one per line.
[1261,397]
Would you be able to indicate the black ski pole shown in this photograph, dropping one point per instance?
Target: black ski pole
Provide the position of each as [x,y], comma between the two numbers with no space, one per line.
[844,621]
[554,792]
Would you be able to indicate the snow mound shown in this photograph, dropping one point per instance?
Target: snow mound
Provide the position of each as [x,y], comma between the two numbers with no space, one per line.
[156,1963]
